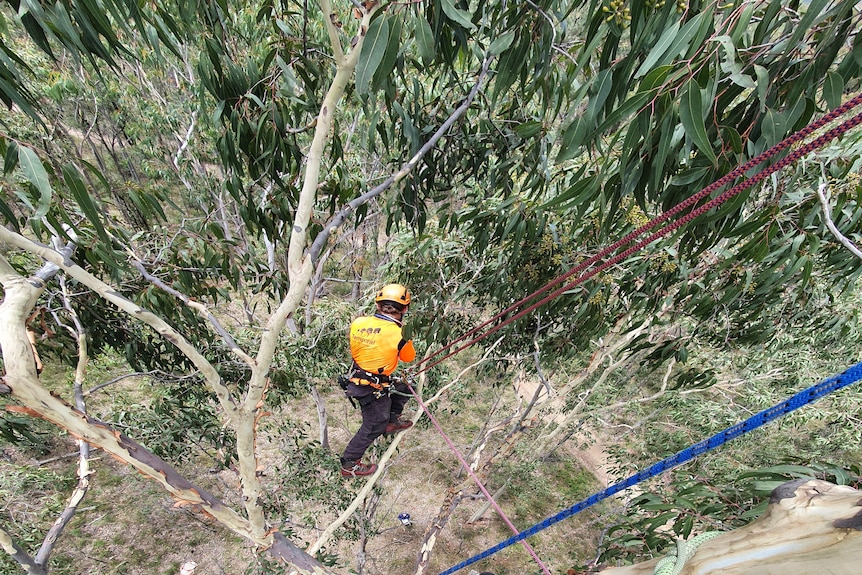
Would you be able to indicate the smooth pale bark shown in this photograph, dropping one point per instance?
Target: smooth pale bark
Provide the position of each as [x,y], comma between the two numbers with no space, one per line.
[811,527]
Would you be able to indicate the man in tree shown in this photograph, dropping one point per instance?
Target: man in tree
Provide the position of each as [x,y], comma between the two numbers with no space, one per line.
[376,345]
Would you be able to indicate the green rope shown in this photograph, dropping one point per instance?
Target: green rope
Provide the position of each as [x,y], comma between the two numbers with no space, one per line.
[673,563]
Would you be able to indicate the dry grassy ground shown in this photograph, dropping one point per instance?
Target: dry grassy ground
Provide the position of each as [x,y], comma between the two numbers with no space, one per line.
[127,525]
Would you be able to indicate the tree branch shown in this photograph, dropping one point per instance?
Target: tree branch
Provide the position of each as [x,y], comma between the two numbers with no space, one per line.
[83,485]
[19,555]
[120,378]
[195,305]
[106,291]
[827,216]
[336,220]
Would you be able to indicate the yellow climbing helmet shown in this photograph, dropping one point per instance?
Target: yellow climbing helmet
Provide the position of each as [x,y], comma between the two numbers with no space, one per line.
[394,292]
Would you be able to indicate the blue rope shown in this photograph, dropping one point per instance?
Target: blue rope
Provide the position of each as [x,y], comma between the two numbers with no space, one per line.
[813,393]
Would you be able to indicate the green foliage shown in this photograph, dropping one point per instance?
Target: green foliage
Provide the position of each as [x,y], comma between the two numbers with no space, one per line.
[436,267]
[17,430]
[178,424]
[683,506]
[527,220]
[307,476]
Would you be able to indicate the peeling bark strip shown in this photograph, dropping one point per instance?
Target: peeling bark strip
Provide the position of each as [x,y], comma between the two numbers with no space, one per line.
[137,455]
[854,522]
[811,526]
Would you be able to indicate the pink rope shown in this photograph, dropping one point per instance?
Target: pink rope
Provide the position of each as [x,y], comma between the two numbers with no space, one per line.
[476,478]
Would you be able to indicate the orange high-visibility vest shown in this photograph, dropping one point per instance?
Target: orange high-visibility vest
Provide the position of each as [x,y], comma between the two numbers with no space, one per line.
[376,344]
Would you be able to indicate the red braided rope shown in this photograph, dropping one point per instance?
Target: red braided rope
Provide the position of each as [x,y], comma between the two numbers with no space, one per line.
[740,170]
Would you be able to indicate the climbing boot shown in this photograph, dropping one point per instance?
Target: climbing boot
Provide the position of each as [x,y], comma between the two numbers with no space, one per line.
[357,468]
[398,425]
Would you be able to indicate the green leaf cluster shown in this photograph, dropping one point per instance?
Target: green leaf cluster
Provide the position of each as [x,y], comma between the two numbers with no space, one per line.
[692,505]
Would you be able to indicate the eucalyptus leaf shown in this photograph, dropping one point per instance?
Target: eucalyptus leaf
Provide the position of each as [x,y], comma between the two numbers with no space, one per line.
[79,191]
[455,14]
[424,39]
[35,173]
[10,158]
[373,50]
[763,84]
[393,48]
[501,43]
[658,50]
[833,90]
[8,214]
[691,114]
[528,129]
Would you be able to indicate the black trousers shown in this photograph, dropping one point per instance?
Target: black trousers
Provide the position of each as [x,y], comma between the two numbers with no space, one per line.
[376,413]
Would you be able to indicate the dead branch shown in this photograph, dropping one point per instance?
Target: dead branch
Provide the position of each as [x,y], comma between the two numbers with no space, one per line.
[83,485]
[827,216]
[321,417]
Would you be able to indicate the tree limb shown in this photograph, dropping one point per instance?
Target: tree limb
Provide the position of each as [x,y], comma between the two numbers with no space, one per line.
[65,263]
[195,305]
[19,555]
[827,216]
[336,220]
[83,485]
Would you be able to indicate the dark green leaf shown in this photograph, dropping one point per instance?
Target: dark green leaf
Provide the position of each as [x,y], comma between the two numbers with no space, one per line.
[833,90]
[501,43]
[528,129]
[692,115]
[424,39]
[373,50]
[85,201]
[10,159]
[35,173]
[393,48]
[658,50]
[462,17]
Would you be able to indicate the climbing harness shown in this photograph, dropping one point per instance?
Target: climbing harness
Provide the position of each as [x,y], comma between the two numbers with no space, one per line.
[379,383]
[362,377]
[674,561]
